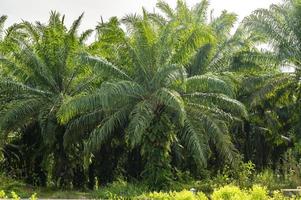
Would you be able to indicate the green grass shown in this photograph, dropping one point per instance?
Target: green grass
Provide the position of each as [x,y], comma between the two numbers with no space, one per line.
[25,190]
[119,188]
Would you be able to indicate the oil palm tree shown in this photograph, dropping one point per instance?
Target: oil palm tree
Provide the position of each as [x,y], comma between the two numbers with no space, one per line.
[279,27]
[269,93]
[226,56]
[44,73]
[218,54]
[152,104]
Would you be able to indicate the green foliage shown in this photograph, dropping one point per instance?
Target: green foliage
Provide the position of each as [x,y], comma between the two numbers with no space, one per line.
[45,73]
[277,195]
[149,99]
[15,196]
[120,189]
[2,194]
[258,193]
[269,179]
[228,192]
[171,98]
[156,195]
[33,197]
[182,195]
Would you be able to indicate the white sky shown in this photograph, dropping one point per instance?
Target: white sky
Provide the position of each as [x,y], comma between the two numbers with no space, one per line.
[38,10]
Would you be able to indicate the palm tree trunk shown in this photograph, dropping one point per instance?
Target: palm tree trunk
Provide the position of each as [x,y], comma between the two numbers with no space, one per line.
[156,152]
[62,174]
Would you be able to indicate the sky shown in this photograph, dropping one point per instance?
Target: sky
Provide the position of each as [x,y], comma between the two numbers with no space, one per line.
[38,10]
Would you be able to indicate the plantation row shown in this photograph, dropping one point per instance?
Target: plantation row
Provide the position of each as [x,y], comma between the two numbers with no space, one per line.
[160,98]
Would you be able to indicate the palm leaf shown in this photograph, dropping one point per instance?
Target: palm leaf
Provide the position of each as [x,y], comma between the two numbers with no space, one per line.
[140,120]
[172,99]
[106,129]
[209,83]
[219,100]
[104,66]
[195,143]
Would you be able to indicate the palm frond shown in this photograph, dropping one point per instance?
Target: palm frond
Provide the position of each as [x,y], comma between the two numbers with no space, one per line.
[85,35]
[217,113]
[201,60]
[221,101]
[123,88]
[169,75]
[195,143]
[223,24]
[79,104]
[75,25]
[166,9]
[19,113]
[172,99]
[79,127]
[3,18]
[131,21]
[104,66]
[157,18]
[140,120]
[270,87]
[216,131]
[32,31]
[13,87]
[55,19]
[106,128]
[187,47]
[208,83]
[200,11]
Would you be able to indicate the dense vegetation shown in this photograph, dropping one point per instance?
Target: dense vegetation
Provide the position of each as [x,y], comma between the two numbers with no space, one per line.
[169,99]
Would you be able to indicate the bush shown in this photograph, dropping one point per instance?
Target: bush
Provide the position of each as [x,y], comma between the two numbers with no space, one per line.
[15,196]
[33,197]
[277,195]
[2,195]
[155,196]
[183,195]
[187,195]
[258,193]
[228,192]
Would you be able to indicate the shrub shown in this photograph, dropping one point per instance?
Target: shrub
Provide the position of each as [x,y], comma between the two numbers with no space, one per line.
[15,196]
[228,192]
[183,195]
[155,196]
[2,195]
[258,193]
[201,196]
[277,195]
[33,197]
[187,195]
